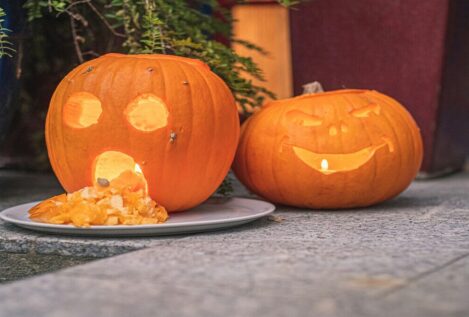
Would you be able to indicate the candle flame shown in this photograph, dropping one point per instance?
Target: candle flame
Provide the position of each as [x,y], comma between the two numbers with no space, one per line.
[139,173]
[324,164]
[137,169]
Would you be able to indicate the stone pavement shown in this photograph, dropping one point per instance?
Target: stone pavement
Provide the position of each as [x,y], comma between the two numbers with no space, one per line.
[406,257]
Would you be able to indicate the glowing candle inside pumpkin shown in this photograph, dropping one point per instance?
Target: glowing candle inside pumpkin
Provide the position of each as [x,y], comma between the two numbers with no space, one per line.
[324,165]
[139,172]
[137,169]
[143,181]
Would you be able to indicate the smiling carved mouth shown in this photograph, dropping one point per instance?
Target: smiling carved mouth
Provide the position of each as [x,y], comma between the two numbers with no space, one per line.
[334,163]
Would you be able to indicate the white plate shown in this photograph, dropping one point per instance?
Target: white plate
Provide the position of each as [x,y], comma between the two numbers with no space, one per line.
[215,213]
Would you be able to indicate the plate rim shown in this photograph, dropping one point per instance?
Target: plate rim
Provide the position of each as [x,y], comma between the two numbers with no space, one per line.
[4,215]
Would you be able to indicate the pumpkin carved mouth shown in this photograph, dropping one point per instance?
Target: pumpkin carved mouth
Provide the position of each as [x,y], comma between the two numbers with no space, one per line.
[111,165]
[333,163]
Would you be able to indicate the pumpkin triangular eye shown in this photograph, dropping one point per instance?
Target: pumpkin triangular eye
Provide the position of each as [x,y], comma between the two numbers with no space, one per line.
[366,111]
[147,112]
[304,119]
[82,110]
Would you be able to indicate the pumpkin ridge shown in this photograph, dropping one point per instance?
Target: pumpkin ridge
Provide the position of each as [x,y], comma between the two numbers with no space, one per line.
[315,137]
[247,149]
[79,76]
[164,165]
[410,121]
[391,124]
[134,86]
[50,126]
[241,167]
[371,184]
[339,119]
[218,178]
[396,177]
[190,141]
[404,116]
[273,160]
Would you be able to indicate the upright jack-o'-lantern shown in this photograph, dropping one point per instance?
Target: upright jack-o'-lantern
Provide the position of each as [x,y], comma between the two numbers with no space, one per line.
[340,149]
[168,116]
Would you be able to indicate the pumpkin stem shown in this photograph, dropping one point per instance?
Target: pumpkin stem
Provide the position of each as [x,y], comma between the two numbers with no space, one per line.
[312,88]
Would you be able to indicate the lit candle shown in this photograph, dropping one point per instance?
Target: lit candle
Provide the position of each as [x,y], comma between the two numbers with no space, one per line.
[143,182]
[324,165]
[137,169]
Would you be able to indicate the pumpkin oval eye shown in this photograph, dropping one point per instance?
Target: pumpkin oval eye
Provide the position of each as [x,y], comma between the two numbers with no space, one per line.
[82,110]
[304,119]
[366,111]
[147,112]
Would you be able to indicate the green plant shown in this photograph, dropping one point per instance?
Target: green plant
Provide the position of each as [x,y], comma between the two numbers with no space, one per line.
[288,3]
[88,28]
[6,48]
[179,27]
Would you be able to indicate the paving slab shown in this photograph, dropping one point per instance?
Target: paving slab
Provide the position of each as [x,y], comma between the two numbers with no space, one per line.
[15,266]
[406,257]
[19,188]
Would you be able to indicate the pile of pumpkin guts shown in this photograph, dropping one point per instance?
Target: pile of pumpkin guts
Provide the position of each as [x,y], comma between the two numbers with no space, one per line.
[122,201]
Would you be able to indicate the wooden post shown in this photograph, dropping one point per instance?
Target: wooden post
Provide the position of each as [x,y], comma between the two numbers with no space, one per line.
[266,24]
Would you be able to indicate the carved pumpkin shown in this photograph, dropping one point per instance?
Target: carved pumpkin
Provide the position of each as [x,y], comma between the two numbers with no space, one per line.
[168,115]
[339,149]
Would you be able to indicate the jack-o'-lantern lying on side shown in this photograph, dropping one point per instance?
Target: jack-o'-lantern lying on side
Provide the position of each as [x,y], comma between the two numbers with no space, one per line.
[339,149]
[169,117]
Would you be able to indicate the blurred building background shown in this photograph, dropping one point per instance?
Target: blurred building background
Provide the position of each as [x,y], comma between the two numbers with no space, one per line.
[415,51]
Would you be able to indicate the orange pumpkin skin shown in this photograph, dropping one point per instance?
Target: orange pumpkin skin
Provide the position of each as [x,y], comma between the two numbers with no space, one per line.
[372,146]
[184,150]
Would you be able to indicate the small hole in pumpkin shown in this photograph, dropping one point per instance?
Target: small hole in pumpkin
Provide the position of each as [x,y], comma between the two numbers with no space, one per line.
[147,112]
[82,110]
[119,169]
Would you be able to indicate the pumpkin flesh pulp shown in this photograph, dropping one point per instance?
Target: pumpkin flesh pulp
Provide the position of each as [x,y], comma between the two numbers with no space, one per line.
[119,200]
